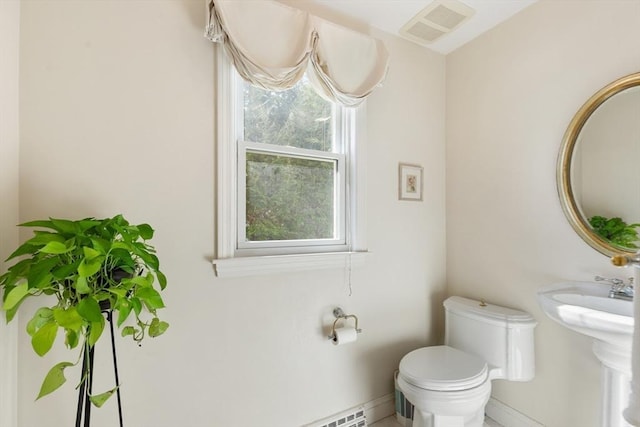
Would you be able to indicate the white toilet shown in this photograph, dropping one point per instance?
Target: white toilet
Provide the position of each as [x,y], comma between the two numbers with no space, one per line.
[449,385]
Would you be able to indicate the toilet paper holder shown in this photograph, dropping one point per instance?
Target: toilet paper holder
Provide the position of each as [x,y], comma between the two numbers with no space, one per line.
[340,315]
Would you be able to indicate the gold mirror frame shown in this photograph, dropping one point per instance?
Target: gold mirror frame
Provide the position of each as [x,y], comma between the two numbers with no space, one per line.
[563,174]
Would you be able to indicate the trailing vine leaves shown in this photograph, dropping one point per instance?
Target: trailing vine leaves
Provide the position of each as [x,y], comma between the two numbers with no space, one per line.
[87,266]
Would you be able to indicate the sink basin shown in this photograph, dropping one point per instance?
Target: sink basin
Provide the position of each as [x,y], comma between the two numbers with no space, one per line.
[585,307]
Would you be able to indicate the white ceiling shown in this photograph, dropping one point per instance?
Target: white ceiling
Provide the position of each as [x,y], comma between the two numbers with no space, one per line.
[391,15]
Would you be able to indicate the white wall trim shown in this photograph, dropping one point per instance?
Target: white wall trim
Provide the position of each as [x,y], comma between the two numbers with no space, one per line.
[260,265]
[507,416]
[379,408]
[226,153]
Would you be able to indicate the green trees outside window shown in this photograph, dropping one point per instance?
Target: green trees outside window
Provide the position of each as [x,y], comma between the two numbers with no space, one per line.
[297,117]
[289,196]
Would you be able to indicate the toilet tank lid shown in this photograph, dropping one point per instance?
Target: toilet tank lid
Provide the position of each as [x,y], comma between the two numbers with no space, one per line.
[472,308]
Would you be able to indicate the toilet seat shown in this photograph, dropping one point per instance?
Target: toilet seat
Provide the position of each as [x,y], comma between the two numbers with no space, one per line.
[443,368]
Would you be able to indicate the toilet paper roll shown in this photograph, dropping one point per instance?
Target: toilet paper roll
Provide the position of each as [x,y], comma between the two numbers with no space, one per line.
[345,335]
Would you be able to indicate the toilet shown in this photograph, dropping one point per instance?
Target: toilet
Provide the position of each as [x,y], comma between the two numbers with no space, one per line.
[449,385]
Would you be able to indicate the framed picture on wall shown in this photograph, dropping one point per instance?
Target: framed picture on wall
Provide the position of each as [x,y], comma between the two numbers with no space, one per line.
[409,182]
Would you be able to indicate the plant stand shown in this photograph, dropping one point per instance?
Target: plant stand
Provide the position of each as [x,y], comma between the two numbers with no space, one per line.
[84,403]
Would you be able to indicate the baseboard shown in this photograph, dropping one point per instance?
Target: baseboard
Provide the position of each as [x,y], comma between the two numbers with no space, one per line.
[380,408]
[507,416]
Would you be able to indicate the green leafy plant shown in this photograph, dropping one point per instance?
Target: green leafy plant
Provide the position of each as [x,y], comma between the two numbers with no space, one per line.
[616,231]
[88,267]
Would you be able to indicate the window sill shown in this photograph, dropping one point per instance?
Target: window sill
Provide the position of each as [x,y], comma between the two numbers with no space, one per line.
[261,265]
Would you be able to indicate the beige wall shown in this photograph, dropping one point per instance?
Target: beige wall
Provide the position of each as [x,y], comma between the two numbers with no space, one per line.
[510,96]
[117,116]
[9,48]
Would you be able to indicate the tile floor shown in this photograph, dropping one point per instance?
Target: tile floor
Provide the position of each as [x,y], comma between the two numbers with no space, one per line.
[391,422]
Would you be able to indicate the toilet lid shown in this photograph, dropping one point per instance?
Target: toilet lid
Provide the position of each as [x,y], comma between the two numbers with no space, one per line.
[443,368]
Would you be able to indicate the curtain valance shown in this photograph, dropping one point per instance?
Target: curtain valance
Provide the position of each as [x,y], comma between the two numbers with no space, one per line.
[272,45]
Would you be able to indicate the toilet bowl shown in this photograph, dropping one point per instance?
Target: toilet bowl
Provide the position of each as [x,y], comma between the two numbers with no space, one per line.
[450,385]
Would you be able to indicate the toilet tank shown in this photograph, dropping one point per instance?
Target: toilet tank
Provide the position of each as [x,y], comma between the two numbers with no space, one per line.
[502,336]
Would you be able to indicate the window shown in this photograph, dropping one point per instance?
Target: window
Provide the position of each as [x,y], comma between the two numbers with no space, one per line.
[288,178]
[291,172]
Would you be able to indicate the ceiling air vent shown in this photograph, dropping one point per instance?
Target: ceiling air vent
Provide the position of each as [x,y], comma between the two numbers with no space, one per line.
[436,20]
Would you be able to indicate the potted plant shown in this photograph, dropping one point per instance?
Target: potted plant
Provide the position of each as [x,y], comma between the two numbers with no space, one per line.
[81,269]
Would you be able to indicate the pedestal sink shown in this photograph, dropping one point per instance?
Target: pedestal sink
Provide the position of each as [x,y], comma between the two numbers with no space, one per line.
[585,307]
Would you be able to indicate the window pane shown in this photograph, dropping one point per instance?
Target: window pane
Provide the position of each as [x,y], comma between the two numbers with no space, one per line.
[289,198]
[297,117]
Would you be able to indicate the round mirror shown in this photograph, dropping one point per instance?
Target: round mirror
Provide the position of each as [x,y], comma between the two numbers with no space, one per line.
[599,168]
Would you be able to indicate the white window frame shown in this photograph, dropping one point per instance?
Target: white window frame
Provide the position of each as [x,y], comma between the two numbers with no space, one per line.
[232,260]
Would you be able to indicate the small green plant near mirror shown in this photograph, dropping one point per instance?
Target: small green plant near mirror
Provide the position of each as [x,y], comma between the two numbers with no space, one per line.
[87,266]
[616,231]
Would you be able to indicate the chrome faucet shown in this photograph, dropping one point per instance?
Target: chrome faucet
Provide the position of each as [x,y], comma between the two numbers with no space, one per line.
[619,289]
